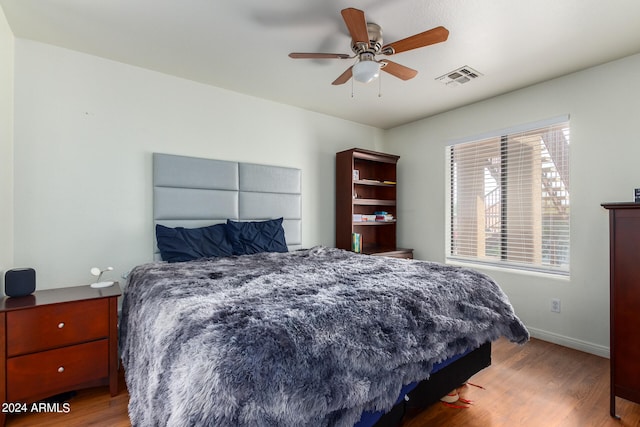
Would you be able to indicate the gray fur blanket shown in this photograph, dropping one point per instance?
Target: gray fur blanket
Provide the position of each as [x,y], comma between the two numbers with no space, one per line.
[307,338]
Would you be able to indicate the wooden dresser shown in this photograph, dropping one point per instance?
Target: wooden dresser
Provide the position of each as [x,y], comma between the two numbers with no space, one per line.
[58,340]
[624,247]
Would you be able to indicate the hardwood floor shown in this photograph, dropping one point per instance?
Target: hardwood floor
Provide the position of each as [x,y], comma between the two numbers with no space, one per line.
[91,407]
[538,384]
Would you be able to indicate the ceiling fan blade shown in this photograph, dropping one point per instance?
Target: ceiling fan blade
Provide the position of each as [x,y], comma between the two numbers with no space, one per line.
[344,77]
[429,37]
[357,25]
[400,71]
[298,55]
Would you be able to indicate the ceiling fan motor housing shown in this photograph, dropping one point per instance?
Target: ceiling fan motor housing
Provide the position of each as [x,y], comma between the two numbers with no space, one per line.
[375,40]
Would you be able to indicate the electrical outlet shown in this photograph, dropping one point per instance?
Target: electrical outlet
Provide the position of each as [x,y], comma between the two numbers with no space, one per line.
[555,305]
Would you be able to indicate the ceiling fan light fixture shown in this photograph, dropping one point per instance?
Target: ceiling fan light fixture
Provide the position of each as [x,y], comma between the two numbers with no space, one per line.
[366,70]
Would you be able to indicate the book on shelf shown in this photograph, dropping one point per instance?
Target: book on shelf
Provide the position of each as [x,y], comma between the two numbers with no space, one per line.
[356,242]
[385,218]
[364,217]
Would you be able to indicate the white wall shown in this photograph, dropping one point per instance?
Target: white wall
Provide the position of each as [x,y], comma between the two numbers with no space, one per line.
[85,128]
[603,103]
[6,147]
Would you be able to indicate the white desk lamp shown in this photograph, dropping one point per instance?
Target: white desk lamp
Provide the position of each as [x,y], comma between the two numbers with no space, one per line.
[98,272]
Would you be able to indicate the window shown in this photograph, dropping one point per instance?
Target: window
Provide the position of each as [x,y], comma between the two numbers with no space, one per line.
[509,198]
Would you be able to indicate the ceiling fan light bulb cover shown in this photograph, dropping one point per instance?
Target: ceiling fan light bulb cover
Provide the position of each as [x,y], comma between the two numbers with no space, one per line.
[366,71]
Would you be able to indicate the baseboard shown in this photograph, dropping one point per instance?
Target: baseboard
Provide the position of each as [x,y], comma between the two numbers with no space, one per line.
[587,347]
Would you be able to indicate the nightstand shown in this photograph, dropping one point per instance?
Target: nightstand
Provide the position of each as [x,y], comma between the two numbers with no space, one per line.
[58,340]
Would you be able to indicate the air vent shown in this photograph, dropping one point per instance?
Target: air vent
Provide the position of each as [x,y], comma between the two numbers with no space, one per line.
[460,76]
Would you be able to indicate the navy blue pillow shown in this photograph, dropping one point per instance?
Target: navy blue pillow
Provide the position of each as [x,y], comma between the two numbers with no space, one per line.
[252,237]
[186,244]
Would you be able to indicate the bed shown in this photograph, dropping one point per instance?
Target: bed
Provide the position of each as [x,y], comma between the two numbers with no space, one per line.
[267,333]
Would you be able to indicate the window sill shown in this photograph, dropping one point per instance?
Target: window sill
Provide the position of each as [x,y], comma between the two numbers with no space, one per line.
[561,276]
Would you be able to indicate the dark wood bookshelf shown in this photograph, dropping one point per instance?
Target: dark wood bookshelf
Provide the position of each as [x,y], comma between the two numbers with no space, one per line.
[373,190]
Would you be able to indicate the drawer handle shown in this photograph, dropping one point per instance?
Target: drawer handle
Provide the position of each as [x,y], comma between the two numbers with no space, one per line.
[61,369]
[60,325]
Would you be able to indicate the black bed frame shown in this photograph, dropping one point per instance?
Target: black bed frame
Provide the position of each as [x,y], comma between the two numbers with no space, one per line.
[439,384]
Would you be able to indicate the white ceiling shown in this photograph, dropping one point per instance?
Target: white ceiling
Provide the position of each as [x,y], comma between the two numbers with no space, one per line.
[242,45]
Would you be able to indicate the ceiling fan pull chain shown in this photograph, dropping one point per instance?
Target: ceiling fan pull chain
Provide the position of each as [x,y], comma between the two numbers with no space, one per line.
[352,88]
[380,87]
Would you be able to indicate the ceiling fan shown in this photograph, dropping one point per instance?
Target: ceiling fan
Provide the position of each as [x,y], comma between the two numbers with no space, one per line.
[366,43]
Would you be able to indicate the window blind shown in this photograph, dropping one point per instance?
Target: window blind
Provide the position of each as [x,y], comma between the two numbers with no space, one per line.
[509,199]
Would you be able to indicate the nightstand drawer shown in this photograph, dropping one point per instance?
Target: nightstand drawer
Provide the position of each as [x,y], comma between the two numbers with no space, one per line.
[50,371]
[56,325]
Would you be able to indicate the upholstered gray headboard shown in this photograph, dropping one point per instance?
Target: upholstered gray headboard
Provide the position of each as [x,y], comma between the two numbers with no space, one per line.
[194,192]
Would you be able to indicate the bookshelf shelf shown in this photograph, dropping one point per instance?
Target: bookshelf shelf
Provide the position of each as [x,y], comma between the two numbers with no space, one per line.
[374,202]
[374,183]
[372,223]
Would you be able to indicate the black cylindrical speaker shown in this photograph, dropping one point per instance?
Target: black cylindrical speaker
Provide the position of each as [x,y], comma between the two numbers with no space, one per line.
[19,282]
